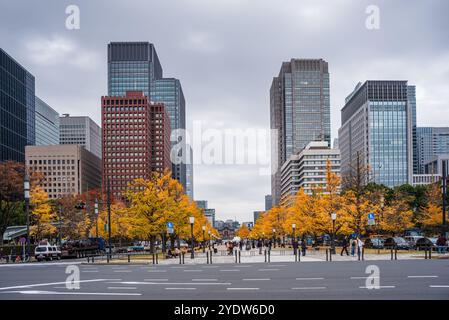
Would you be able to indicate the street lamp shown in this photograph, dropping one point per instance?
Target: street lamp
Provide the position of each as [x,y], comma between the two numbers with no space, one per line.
[204,239]
[26,188]
[209,238]
[334,217]
[192,220]
[274,237]
[294,238]
[96,218]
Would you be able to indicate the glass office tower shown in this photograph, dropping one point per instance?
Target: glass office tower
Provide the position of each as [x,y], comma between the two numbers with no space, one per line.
[17,110]
[299,111]
[47,124]
[431,142]
[377,128]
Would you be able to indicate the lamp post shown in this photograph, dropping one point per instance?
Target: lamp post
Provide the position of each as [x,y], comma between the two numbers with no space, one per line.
[334,217]
[294,238]
[192,220]
[109,218]
[209,238]
[274,237]
[26,188]
[96,218]
[204,238]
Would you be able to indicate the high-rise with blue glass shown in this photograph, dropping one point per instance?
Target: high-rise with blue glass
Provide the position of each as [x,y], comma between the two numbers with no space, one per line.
[299,112]
[377,130]
[431,142]
[135,66]
[17,111]
[47,124]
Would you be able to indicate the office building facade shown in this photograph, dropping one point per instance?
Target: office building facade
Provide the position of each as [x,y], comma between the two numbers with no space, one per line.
[257,214]
[82,131]
[268,202]
[17,109]
[307,170]
[136,140]
[189,173]
[135,66]
[377,131]
[431,142]
[66,169]
[299,111]
[47,124]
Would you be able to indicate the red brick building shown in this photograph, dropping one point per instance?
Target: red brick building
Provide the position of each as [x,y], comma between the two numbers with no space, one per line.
[136,139]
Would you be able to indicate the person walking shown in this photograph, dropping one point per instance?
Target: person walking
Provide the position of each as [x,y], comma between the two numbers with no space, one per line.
[353,245]
[441,243]
[303,247]
[359,246]
[345,245]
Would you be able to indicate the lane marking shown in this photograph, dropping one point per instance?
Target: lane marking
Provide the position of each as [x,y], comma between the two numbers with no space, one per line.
[309,288]
[256,279]
[176,283]
[193,270]
[155,280]
[237,289]
[52,284]
[268,270]
[422,276]
[178,267]
[277,265]
[87,271]
[357,278]
[180,288]
[379,287]
[242,266]
[309,278]
[204,279]
[232,270]
[74,293]
[209,267]
[122,288]
[157,270]
[122,270]
[439,286]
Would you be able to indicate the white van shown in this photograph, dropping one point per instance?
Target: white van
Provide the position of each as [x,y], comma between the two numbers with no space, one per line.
[47,252]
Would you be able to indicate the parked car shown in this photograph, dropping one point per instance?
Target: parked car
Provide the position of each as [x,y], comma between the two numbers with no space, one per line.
[397,242]
[47,252]
[136,248]
[424,243]
[374,243]
[412,240]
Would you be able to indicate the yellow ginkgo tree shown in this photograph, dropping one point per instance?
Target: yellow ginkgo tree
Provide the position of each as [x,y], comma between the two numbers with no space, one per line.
[42,214]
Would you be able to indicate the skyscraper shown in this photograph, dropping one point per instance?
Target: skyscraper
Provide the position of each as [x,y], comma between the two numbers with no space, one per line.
[135,66]
[431,142]
[299,111]
[136,139]
[82,131]
[17,109]
[377,129]
[189,174]
[47,124]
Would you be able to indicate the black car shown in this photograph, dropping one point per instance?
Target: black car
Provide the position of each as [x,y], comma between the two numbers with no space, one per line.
[396,242]
[374,243]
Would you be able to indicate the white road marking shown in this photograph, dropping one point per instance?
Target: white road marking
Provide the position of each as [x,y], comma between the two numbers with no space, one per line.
[180,288]
[268,270]
[309,278]
[358,278]
[40,264]
[193,270]
[122,288]
[232,270]
[176,283]
[379,287]
[422,276]
[122,270]
[309,288]
[277,265]
[87,271]
[237,289]
[74,293]
[209,267]
[157,270]
[205,280]
[178,267]
[439,286]
[256,279]
[242,266]
[155,280]
[52,284]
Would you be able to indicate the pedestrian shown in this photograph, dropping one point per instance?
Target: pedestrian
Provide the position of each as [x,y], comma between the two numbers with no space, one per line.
[353,245]
[359,246]
[345,245]
[441,243]
[303,247]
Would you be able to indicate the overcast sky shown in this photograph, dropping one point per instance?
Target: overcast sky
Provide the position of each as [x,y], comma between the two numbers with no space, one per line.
[225,52]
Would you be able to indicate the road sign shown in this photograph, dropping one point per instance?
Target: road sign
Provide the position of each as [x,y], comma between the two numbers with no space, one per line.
[370,216]
[170,230]
[170,225]
[371,222]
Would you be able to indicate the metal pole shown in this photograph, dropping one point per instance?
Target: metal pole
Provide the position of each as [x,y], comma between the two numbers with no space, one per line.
[96,217]
[59,224]
[204,243]
[444,167]
[26,185]
[109,218]
[192,256]
[294,242]
[333,236]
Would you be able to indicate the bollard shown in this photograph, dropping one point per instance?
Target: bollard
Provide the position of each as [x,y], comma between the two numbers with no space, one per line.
[157,258]
[180,254]
[327,256]
[358,254]
[183,258]
[425,253]
[93,259]
[265,254]
[363,254]
[207,257]
[391,253]
[269,255]
[154,259]
[395,253]
[235,256]
[430,252]
[88,260]
[296,257]
[330,254]
[129,258]
[240,257]
[299,255]
[210,257]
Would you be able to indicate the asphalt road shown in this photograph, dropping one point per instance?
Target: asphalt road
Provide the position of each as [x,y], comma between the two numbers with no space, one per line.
[411,279]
